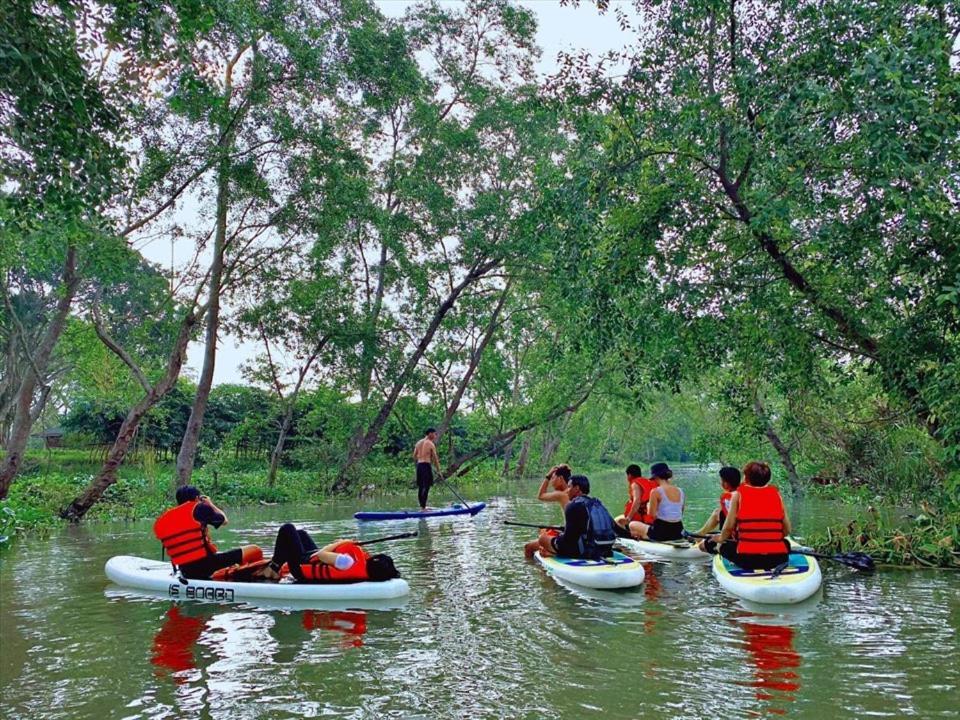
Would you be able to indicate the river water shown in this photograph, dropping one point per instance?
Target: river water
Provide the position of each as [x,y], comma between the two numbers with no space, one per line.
[483,634]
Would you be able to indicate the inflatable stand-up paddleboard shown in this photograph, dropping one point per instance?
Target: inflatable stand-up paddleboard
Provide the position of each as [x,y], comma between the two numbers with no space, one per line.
[619,571]
[669,550]
[428,513]
[155,576]
[800,579]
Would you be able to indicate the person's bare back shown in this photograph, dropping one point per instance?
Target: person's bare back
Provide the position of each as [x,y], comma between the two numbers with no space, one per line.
[426,452]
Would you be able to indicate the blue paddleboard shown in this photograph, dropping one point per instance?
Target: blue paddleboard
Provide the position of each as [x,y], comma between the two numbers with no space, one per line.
[431,512]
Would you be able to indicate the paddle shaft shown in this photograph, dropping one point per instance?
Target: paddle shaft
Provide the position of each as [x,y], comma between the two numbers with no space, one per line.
[536,527]
[401,536]
[855,560]
[453,490]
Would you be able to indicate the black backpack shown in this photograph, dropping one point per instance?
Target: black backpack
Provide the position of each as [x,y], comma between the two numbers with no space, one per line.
[598,541]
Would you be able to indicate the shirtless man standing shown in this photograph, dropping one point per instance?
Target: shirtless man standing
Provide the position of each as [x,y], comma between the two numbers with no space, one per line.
[425,455]
[557,478]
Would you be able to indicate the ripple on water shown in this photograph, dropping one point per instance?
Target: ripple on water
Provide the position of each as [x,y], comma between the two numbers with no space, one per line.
[484,634]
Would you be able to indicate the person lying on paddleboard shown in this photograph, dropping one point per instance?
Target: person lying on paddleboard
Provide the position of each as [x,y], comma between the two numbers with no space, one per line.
[557,479]
[729,482]
[754,535]
[340,561]
[588,527]
[185,535]
[665,508]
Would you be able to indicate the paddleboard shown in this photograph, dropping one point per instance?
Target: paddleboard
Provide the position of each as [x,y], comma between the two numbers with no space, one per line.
[428,513]
[798,581]
[158,577]
[619,571]
[671,550]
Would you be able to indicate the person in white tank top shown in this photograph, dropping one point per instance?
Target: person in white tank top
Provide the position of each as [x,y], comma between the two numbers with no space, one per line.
[666,506]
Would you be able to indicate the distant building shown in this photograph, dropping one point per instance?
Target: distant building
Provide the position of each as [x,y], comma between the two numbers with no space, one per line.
[52,437]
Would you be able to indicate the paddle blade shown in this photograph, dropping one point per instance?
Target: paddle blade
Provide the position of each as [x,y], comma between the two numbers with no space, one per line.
[856,560]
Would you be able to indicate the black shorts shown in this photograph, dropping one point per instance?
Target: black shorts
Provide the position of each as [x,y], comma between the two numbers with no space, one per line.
[753,561]
[620,531]
[424,475]
[203,569]
[663,530]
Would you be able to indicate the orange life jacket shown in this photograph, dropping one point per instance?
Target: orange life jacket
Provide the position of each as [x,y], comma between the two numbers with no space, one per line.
[184,539]
[321,572]
[646,486]
[760,521]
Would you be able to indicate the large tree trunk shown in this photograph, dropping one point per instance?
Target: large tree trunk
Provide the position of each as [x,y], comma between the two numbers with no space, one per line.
[488,332]
[128,430]
[522,459]
[277,453]
[781,447]
[498,442]
[24,414]
[363,444]
[191,435]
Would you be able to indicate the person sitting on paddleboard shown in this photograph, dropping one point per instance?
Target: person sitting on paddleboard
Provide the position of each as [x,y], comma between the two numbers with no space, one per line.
[184,533]
[638,497]
[665,508]
[729,481]
[557,479]
[754,535]
[588,527]
[340,561]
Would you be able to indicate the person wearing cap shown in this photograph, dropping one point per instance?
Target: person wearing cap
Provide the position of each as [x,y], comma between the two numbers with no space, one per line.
[588,526]
[184,532]
[665,507]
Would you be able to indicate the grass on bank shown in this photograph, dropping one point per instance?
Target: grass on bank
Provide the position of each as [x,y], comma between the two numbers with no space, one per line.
[144,489]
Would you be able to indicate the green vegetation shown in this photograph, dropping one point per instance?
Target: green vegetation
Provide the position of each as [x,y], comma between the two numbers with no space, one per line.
[742,246]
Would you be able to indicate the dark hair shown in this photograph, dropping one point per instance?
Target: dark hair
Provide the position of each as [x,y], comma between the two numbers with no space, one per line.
[661,470]
[731,476]
[634,471]
[582,482]
[563,471]
[381,567]
[756,473]
[429,430]
[187,493]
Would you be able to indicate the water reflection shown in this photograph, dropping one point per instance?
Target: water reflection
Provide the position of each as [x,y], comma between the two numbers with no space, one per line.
[173,645]
[774,659]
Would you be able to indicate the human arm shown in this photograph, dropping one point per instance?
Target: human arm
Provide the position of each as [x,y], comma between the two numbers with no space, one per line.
[207,513]
[435,458]
[636,493]
[327,556]
[574,525]
[711,523]
[726,532]
[653,503]
[787,526]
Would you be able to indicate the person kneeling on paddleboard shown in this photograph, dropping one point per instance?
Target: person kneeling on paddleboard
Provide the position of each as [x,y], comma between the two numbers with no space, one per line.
[729,481]
[666,509]
[754,535]
[340,561]
[184,533]
[557,479]
[588,527]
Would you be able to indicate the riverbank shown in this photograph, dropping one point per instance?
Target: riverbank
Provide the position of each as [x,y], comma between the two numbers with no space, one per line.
[145,490]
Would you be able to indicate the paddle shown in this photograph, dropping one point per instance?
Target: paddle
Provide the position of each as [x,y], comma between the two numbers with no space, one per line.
[537,527]
[388,538]
[453,490]
[855,560]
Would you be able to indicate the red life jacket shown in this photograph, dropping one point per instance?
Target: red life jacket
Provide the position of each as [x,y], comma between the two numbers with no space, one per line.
[184,539]
[646,487]
[321,572]
[760,521]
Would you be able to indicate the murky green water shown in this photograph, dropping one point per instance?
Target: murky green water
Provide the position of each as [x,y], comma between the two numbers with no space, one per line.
[484,634]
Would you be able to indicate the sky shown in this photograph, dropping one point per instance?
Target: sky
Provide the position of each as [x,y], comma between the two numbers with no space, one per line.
[559,29]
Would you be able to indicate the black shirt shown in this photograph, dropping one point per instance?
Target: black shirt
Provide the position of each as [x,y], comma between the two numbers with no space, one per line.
[576,521]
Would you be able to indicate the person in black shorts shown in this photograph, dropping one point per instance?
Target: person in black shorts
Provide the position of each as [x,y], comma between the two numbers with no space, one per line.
[425,455]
